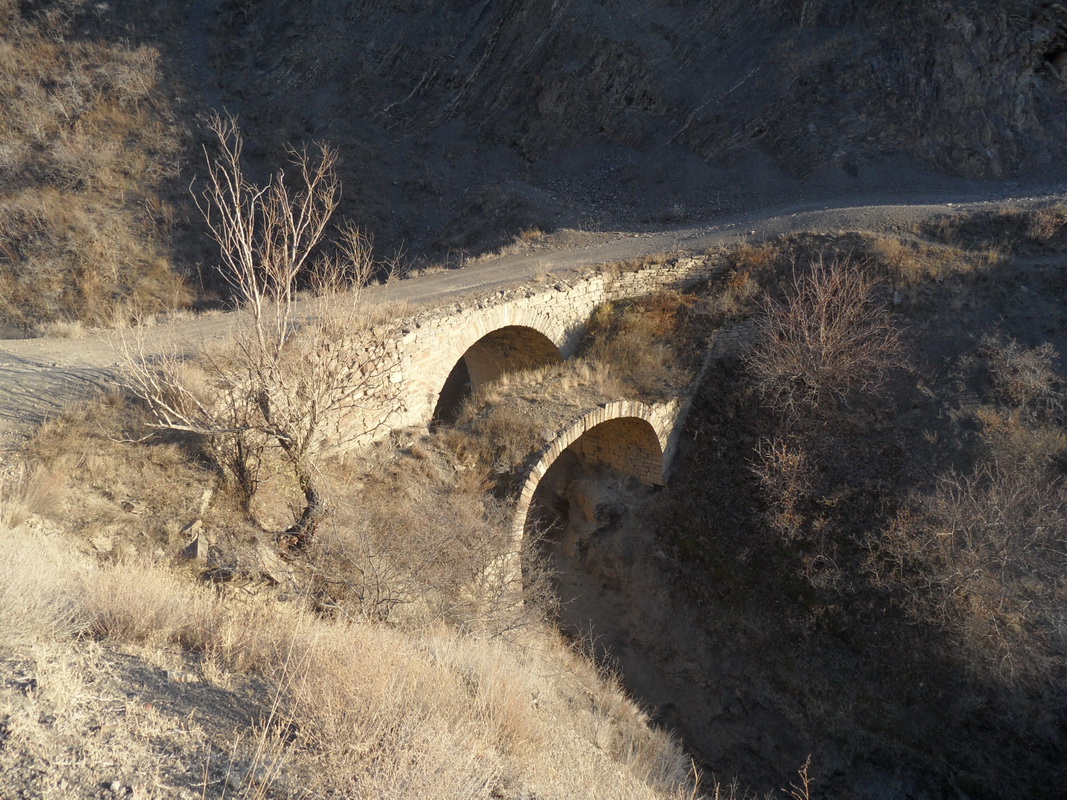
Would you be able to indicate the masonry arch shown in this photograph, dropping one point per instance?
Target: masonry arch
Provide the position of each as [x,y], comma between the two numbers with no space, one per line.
[627,437]
[506,349]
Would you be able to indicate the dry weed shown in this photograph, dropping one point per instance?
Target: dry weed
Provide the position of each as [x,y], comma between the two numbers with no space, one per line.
[1024,377]
[1017,444]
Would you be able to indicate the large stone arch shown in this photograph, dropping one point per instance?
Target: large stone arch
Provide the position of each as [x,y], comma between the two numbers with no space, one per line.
[628,436]
[509,348]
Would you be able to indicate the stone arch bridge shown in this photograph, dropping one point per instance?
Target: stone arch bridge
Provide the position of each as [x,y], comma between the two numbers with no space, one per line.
[443,354]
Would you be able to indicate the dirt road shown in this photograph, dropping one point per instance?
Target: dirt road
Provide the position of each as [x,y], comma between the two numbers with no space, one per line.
[38,377]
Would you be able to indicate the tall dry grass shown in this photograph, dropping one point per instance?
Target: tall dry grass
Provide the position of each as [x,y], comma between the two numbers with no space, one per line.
[384,712]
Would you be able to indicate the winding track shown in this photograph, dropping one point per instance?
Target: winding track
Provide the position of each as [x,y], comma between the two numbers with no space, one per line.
[39,377]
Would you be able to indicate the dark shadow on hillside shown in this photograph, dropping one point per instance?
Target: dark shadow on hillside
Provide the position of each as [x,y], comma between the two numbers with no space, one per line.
[759,649]
[465,127]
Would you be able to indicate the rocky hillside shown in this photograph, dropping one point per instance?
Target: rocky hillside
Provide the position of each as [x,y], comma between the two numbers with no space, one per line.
[503,114]
[461,125]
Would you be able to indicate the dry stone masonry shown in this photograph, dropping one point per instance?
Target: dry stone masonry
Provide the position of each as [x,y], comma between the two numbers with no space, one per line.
[442,353]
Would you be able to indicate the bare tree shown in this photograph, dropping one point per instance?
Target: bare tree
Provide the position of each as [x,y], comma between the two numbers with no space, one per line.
[303,383]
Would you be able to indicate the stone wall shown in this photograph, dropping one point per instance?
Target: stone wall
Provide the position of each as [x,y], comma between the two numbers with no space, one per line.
[432,343]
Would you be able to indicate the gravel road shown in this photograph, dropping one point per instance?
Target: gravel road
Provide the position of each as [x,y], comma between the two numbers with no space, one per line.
[38,377]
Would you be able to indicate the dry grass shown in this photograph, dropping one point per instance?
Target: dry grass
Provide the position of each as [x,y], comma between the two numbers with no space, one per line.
[1046,224]
[1006,230]
[85,145]
[911,263]
[380,712]
[38,586]
[652,345]
[125,496]
[28,491]
[514,418]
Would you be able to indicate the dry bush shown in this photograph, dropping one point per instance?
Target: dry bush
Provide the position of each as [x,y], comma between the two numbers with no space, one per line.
[513,418]
[787,480]
[829,338]
[1046,223]
[982,556]
[1024,377]
[507,434]
[1015,442]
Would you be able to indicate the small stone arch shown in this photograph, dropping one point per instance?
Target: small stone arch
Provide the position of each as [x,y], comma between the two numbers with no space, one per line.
[627,436]
[506,349]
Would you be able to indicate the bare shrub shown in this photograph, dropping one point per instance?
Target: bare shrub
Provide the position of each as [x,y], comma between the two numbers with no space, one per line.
[982,556]
[1024,377]
[786,478]
[829,338]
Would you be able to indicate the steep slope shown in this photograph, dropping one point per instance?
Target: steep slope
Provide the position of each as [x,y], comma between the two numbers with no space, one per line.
[462,125]
[510,113]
